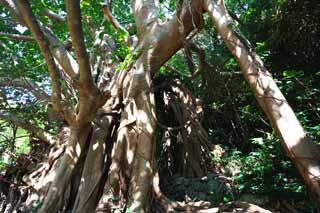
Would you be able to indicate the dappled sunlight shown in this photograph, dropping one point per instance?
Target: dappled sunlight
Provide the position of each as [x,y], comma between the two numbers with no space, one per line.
[271,100]
[130,156]
[142,116]
[77,150]
[70,152]
[98,101]
[238,50]
[95,146]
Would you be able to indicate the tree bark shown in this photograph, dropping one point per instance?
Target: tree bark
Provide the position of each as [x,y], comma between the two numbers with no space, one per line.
[75,146]
[80,177]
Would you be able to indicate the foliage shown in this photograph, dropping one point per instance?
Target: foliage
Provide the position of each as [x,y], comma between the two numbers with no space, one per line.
[14,142]
[209,188]
[284,33]
[232,116]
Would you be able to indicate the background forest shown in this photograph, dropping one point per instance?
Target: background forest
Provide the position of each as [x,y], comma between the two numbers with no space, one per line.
[244,149]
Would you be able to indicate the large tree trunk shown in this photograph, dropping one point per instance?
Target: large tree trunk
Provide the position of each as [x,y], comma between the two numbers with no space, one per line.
[303,152]
[111,142]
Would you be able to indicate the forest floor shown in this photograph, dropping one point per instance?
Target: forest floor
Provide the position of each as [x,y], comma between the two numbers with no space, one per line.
[215,188]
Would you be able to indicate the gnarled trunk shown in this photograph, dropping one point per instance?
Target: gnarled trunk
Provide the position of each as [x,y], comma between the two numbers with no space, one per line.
[111,142]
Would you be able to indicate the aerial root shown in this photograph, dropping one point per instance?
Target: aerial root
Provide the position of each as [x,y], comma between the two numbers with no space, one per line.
[36,178]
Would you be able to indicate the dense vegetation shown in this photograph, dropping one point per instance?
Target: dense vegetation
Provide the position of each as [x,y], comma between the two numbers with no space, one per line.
[244,148]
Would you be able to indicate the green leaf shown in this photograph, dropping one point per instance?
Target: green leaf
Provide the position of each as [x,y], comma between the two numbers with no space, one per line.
[258,141]
[292,74]
[84,3]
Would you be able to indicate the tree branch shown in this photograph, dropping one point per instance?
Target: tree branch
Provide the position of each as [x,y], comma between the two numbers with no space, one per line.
[17,36]
[64,58]
[76,32]
[132,40]
[26,84]
[53,16]
[188,19]
[202,58]
[42,135]
[172,69]
[31,21]
[189,58]
[11,5]
[90,98]
[145,13]
[107,13]
[298,146]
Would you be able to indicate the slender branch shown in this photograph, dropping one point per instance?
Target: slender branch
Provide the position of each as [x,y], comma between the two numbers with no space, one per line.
[64,58]
[3,99]
[93,27]
[189,47]
[202,58]
[131,41]
[31,21]
[11,5]
[7,20]
[189,58]
[53,16]
[235,17]
[201,54]
[107,13]
[17,36]
[172,69]
[76,32]
[26,84]
[44,136]
[90,97]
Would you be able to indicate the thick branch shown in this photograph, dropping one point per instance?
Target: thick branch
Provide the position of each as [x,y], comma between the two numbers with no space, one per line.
[17,36]
[189,18]
[75,27]
[145,13]
[42,135]
[90,98]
